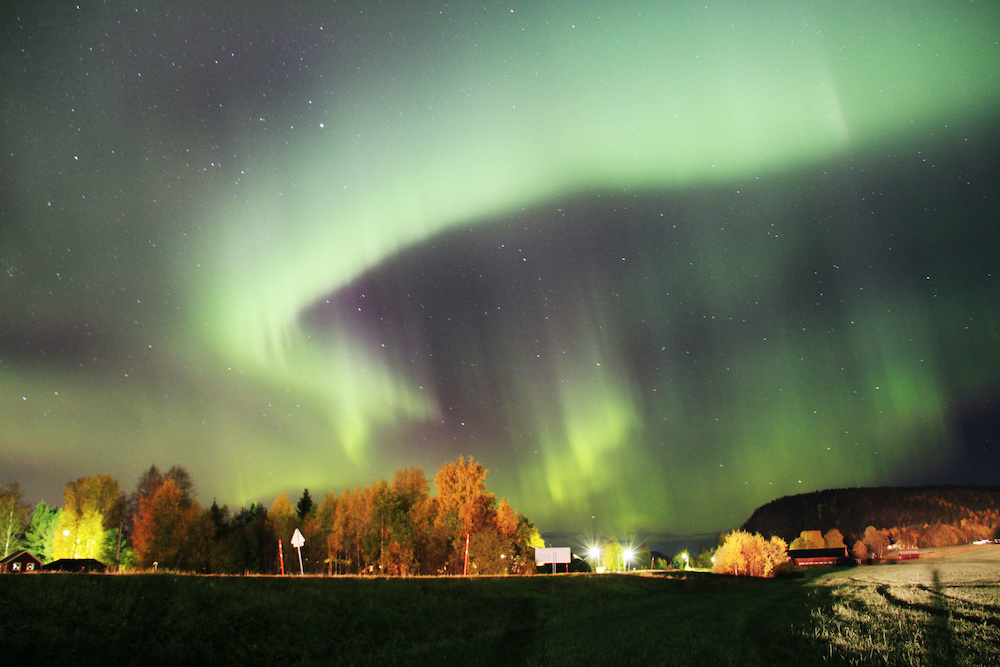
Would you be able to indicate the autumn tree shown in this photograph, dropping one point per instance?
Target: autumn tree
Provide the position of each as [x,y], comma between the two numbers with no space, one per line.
[736,555]
[324,521]
[750,555]
[286,520]
[775,556]
[834,539]
[860,550]
[150,481]
[489,551]
[342,538]
[92,506]
[314,550]
[170,529]
[410,523]
[877,541]
[520,539]
[13,518]
[283,517]
[463,504]
[808,539]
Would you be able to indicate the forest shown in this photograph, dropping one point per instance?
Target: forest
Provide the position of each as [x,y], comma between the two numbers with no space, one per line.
[391,527]
[912,517]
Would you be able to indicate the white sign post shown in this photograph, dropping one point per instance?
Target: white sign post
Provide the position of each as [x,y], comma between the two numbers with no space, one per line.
[297,542]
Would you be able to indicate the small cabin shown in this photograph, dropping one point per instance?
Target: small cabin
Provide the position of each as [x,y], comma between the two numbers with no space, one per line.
[908,554]
[818,557]
[76,565]
[20,562]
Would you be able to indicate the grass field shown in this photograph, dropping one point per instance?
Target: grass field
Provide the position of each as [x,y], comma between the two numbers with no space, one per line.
[943,609]
[896,614]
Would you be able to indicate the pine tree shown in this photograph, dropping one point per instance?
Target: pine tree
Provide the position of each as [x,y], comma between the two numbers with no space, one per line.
[305,505]
[41,531]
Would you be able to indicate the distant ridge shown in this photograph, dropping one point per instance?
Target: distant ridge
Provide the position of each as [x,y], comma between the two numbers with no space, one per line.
[851,510]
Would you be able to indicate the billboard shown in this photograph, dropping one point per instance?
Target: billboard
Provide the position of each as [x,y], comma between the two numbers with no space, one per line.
[544,556]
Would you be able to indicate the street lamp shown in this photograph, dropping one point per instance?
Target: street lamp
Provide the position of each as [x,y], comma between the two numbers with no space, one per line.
[628,554]
[594,554]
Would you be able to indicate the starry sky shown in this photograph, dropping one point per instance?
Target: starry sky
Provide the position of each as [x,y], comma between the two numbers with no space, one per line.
[652,264]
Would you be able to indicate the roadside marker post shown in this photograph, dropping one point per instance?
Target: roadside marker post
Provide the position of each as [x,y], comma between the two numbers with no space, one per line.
[297,542]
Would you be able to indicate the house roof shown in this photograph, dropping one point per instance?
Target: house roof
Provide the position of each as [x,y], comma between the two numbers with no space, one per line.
[76,565]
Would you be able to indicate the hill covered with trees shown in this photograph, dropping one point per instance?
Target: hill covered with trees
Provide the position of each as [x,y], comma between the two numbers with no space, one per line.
[923,516]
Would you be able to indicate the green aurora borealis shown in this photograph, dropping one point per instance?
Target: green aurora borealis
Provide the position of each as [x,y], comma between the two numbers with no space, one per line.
[652,265]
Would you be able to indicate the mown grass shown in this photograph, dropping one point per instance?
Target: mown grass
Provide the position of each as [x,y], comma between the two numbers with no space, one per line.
[171,619]
[939,611]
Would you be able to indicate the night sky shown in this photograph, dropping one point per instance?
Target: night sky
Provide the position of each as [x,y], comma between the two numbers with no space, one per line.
[653,264]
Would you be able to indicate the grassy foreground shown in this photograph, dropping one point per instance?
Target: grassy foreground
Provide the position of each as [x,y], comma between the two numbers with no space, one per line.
[608,619]
[943,610]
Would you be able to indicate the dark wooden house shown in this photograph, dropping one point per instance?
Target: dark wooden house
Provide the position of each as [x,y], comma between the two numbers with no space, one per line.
[20,562]
[76,565]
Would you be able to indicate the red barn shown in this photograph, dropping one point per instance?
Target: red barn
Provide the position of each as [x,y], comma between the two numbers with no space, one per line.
[818,557]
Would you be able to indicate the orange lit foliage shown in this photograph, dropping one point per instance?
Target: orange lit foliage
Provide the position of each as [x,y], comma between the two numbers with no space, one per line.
[973,526]
[284,518]
[750,555]
[506,519]
[169,528]
[398,529]
[463,503]
[465,508]
[409,522]
[808,539]
[877,541]
[834,539]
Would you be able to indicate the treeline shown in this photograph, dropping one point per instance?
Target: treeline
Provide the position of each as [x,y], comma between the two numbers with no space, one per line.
[917,517]
[391,527]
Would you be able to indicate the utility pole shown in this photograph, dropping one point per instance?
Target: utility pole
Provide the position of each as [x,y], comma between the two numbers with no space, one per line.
[465,568]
